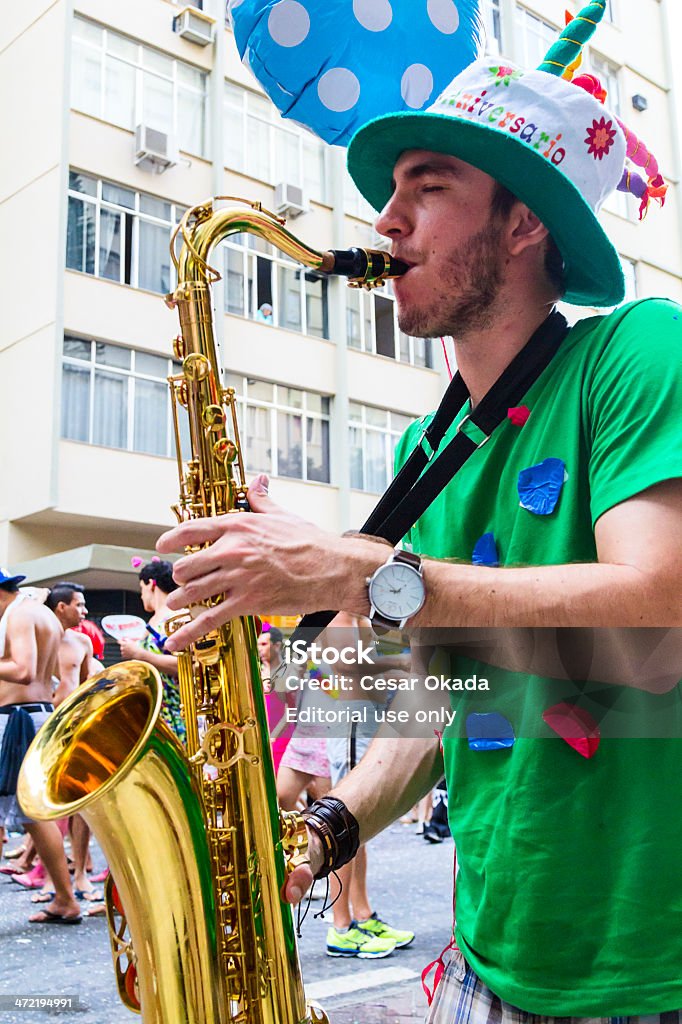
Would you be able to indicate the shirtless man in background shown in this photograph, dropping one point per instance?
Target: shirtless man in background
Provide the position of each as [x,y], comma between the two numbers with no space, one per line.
[77,661]
[30,636]
[76,664]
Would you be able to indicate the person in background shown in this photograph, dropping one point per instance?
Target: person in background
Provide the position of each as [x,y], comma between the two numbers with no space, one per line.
[30,636]
[156,583]
[264,314]
[357,929]
[76,664]
[270,654]
[92,630]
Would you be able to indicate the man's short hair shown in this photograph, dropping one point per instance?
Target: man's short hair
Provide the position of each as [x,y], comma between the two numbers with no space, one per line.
[10,587]
[275,634]
[500,206]
[63,591]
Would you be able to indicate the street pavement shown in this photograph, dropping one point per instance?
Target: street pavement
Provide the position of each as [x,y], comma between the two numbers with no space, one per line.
[410,885]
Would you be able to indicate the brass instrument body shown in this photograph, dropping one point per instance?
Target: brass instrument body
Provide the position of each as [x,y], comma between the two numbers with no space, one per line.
[197,846]
[107,756]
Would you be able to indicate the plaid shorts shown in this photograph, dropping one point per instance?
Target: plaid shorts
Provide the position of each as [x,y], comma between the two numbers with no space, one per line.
[462,998]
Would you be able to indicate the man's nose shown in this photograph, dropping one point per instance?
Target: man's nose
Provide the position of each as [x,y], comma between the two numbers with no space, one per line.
[392,222]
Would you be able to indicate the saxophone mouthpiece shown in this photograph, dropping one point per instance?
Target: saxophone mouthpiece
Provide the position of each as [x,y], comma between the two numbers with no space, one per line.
[364,268]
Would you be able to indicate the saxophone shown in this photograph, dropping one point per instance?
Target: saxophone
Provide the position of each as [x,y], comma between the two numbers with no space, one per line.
[197,846]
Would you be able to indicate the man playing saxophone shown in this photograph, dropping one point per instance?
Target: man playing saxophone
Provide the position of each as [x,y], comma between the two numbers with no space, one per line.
[568,890]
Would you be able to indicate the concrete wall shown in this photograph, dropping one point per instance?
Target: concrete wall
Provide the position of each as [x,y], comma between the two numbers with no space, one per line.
[32,203]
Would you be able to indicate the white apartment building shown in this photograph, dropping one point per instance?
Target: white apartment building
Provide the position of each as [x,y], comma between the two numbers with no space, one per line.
[118,117]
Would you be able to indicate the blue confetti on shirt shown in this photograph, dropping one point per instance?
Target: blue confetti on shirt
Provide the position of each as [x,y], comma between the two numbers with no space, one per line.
[333,65]
[485,551]
[540,486]
[491,731]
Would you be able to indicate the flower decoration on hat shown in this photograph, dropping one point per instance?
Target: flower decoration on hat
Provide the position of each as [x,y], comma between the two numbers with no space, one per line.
[564,58]
[600,138]
[504,75]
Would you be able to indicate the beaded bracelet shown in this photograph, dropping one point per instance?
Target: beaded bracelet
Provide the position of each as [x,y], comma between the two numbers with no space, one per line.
[337,830]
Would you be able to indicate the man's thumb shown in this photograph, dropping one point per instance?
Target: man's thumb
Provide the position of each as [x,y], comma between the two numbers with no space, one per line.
[258,494]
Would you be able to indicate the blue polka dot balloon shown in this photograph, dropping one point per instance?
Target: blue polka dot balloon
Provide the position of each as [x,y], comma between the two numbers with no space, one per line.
[333,65]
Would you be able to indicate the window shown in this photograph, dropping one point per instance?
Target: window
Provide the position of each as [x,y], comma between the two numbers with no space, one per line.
[284,431]
[372,326]
[117,397]
[630,273]
[490,11]
[534,38]
[608,75]
[260,143]
[263,284]
[127,83]
[119,234]
[353,202]
[373,435]
[610,11]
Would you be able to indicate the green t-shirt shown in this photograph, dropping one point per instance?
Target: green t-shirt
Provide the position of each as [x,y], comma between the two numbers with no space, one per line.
[569,892]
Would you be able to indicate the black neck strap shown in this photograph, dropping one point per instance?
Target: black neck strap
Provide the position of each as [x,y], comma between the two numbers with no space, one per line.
[423,476]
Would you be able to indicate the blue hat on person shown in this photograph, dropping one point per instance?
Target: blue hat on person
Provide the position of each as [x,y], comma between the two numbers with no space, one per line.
[6,577]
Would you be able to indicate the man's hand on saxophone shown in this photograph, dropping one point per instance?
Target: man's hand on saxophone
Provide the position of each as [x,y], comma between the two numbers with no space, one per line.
[273,559]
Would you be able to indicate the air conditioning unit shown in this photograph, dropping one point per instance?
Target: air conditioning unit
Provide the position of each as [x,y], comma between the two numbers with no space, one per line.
[194,25]
[289,200]
[154,150]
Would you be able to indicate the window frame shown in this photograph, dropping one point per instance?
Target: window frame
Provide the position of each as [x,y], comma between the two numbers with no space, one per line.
[250,254]
[237,99]
[140,70]
[277,405]
[521,25]
[399,337]
[492,21]
[130,374]
[135,215]
[391,435]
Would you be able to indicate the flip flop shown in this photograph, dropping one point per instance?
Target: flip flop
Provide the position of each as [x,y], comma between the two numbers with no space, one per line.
[16,852]
[48,917]
[91,895]
[101,877]
[96,911]
[43,897]
[9,869]
[27,882]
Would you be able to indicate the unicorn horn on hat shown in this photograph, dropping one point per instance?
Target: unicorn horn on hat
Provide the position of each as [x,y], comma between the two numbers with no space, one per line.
[562,59]
[566,51]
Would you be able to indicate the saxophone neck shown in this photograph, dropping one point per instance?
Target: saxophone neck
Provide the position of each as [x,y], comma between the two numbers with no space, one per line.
[203,227]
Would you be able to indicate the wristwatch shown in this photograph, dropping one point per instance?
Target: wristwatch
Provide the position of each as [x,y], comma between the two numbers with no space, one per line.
[396,591]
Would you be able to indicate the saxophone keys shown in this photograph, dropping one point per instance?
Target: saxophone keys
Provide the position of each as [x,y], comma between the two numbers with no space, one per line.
[213,417]
[225,450]
[196,366]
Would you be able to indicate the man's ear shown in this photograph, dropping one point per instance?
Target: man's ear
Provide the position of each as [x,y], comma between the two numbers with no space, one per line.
[525,229]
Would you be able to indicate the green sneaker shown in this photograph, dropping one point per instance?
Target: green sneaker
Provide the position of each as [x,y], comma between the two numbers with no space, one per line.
[375,926]
[356,942]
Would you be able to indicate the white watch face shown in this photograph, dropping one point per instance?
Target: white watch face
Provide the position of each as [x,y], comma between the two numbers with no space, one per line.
[397,591]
